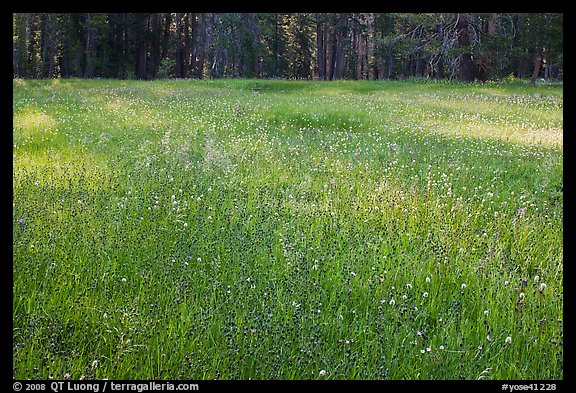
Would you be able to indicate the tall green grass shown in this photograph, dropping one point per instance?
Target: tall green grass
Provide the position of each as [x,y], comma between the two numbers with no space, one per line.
[236,229]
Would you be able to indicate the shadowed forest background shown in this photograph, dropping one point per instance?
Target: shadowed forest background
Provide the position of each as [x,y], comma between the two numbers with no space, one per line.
[323,46]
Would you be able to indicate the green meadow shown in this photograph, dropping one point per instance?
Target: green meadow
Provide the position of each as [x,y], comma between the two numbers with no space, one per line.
[269,229]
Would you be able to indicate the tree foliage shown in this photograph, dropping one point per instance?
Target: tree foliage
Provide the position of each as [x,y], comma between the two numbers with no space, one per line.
[326,46]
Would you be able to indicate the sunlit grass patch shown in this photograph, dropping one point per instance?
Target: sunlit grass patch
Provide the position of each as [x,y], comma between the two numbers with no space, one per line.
[32,122]
[529,135]
[65,167]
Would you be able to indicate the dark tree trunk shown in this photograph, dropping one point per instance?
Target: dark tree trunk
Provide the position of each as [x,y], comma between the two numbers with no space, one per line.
[490,31]
[521,62]
[48,41]
[537,65]
[166,37]
[361,44]
[194,43]
[391,61]
[201,46]
[419,67]
[186,47]
[218,55]
[439,69]
[88,46]
[179,51]
[155,55]
[340,33]
[32,62]
[320,48]
[257,57]
[331,53]
[140,64]
[466,67]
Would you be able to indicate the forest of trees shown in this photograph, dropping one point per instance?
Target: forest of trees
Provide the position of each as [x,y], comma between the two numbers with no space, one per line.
[324,46]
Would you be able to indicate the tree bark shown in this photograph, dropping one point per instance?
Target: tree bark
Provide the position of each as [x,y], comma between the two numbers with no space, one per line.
[217,53]
[166,36]
[439,69]
[486,64]
[391,60]
[330,44]
[155,54]
[320,48]
[48,37]
[193,43]
[340,34]
[360,50]
[466,67]
[140,65]
[179,52]
[537,64]
[201,46]
[88,44]
[32,62]
[186,47]
[370,47]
